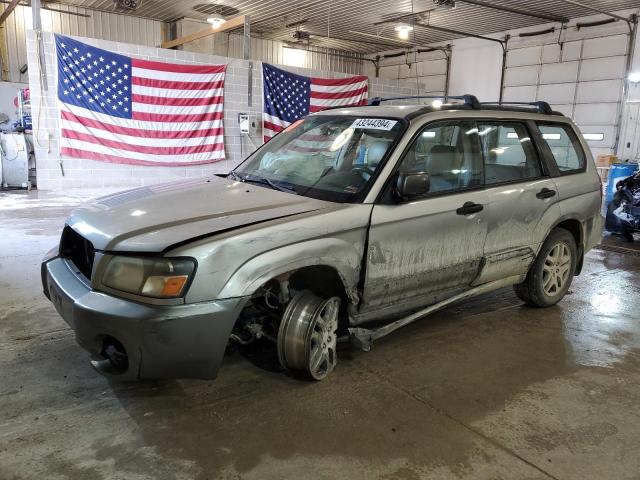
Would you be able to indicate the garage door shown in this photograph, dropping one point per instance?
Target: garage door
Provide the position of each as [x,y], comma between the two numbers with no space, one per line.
[431,72]
[583,79]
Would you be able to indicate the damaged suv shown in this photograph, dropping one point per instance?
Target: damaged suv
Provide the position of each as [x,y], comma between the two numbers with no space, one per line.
[349,224]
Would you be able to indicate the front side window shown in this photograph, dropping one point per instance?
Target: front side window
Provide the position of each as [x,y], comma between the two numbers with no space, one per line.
[508,151]
[332,158]
[564,146]
[450,153]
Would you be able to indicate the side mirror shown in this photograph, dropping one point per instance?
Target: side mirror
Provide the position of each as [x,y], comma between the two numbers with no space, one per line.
[412,184]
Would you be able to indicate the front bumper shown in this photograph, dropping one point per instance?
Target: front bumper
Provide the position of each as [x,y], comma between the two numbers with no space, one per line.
[182,341]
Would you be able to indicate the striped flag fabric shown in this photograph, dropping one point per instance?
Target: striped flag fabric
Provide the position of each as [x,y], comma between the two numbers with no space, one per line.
[119,109]
[289,97]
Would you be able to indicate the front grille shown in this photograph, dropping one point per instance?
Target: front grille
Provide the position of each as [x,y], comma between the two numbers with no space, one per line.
[78,250]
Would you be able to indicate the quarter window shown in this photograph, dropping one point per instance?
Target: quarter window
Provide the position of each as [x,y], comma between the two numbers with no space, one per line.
[509,154]
[450,153]
[564,146]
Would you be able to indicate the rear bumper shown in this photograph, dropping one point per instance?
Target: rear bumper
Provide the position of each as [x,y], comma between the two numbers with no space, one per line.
[183,341]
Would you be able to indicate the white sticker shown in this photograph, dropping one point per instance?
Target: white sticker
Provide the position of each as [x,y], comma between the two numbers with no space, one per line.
[374,123]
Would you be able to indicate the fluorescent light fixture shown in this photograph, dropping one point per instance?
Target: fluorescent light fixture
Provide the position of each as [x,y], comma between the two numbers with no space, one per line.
[429,134]
[486,131]
[634,77]
[216,20]
[499,150]
[403,30]
[551,136]
[594,137]
[512,135]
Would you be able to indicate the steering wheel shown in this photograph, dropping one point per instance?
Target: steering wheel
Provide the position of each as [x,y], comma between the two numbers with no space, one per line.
[363,170]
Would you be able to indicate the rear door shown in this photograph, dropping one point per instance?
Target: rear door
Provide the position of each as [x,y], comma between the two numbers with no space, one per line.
[520,194]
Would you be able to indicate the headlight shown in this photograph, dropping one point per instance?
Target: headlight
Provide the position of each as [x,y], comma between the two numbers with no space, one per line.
[149,276]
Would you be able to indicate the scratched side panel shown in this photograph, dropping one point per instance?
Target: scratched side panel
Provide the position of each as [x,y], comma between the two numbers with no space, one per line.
[422,250]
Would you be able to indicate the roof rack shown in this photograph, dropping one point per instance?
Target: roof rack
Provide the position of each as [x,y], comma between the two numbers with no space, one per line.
[541,107]
[470,100]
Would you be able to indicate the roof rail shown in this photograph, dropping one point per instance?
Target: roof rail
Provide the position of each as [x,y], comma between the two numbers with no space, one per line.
[470,100]
[541,107]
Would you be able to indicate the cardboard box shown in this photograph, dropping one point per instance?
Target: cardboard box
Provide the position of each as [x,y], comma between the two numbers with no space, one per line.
[606,160]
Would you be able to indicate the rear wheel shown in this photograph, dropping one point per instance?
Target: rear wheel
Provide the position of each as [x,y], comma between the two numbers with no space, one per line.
[551,274]
[307,336]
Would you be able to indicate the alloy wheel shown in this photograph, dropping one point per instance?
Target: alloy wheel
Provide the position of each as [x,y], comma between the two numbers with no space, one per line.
[557,269]
[307,336]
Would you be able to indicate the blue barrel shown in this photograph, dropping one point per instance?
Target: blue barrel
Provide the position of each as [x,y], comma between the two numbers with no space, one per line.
[617,172]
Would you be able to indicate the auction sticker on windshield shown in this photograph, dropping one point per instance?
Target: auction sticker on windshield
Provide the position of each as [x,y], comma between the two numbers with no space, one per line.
[374,123]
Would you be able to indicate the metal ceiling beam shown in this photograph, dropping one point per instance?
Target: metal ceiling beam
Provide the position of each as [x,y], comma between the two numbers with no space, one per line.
[233,24]
[528,13]
[595,9]
[7,11]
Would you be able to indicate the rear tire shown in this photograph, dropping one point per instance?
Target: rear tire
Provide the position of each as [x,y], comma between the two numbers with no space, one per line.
[551,274]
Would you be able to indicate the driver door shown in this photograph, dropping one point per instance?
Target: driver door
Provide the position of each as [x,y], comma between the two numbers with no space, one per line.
[426,249]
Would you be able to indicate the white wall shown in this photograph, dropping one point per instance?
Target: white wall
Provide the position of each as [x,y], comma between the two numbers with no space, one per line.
[476,67]
[90,173]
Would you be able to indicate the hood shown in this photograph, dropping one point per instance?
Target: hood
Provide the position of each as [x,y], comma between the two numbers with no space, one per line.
[150,219]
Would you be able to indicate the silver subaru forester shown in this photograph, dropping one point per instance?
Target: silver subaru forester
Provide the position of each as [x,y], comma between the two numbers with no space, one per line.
[348,225]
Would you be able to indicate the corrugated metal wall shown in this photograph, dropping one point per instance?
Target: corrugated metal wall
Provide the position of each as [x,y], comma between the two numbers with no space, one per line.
[271,51]
[106,26]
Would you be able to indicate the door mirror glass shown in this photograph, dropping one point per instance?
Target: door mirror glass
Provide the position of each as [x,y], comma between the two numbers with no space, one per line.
[412,184]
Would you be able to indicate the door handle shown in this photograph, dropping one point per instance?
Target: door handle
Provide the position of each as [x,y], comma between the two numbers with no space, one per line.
[546,193]
[469,208]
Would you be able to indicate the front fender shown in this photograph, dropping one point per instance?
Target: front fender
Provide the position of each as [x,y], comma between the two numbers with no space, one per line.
[342,254]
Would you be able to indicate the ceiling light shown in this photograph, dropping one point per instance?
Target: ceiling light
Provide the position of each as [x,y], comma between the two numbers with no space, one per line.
[634,77]
[216,20]
[403,30]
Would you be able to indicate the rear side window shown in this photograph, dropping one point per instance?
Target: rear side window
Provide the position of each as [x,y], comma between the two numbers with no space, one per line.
[565,147]
[508,152]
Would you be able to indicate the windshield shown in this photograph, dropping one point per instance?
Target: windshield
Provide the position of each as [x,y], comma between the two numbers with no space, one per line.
[328,157]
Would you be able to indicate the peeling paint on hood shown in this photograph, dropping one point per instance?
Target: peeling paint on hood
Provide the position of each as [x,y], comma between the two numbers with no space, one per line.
[150,219]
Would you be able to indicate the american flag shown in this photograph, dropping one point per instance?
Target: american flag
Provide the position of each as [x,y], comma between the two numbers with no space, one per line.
[289,97]
[120,109]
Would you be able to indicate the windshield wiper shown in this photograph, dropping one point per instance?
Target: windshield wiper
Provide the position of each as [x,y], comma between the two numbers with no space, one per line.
[262,180]
[237,176]
[270,183]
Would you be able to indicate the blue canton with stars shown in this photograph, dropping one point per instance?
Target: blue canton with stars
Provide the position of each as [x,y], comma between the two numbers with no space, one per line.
[286,95]
[92,78]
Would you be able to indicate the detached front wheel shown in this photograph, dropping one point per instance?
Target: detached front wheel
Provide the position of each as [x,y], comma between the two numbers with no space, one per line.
[307,336]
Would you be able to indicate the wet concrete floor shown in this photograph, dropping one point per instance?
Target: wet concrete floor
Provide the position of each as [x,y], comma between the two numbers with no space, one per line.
[485,389]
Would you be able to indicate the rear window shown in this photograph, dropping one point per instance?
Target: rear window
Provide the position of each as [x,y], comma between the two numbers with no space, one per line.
[565,147]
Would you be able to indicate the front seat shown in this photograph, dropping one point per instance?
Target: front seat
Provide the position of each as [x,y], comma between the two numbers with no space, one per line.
[444,161]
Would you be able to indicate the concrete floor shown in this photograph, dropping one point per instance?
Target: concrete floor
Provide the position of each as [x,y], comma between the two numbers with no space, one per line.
[485,389]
